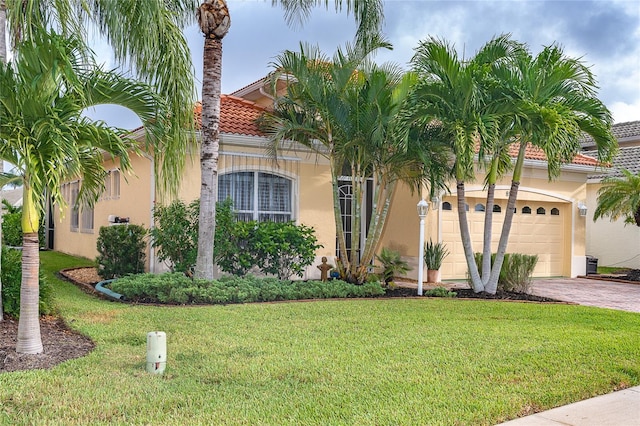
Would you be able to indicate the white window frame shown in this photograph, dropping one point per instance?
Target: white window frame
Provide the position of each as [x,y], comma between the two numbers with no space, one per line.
[255,213]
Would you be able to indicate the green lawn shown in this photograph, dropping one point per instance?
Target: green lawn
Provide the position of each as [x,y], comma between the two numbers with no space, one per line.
[364,362]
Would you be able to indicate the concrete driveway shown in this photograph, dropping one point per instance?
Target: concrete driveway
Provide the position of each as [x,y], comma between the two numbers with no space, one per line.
[589,292]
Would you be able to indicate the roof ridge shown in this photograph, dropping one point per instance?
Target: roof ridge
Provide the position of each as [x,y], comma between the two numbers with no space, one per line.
[243,101]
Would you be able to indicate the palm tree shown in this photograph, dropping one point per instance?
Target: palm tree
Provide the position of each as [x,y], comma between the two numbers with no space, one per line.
[349,111]
[619,197]
[451,96]
[214,20]
[145,35]
[554,101]
[43,93]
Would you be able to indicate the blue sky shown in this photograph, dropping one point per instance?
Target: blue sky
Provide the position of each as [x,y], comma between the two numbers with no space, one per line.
[604,33]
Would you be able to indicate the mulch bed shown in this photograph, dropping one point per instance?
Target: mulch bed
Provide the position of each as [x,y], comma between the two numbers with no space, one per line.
[59,342]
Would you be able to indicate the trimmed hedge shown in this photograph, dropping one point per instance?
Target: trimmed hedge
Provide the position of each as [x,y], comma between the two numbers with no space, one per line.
[176,288]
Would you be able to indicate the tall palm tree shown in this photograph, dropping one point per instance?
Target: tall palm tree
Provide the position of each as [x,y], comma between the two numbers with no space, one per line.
[349,111]
[3,59]
[452,96]
[43,93]
[214,20]
[619,197]
[554,100]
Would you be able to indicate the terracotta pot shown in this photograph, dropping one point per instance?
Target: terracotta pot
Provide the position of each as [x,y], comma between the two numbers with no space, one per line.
[433,275]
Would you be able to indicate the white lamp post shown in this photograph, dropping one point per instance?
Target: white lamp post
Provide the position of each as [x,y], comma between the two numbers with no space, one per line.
[423,209]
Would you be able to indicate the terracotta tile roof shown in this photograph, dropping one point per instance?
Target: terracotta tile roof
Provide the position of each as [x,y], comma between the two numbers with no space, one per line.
[627,158]
[535,153]
[621,131]
[237,116]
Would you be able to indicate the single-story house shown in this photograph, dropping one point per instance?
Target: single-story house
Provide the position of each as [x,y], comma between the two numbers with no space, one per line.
[612,242]
[297,187]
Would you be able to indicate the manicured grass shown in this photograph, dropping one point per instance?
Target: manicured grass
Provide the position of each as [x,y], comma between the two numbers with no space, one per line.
[612,270]
[365,362]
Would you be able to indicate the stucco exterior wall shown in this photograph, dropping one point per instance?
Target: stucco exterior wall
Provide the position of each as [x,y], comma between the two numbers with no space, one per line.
[612,242]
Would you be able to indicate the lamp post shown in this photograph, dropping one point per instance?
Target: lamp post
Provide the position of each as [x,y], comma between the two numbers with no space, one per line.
[423,209]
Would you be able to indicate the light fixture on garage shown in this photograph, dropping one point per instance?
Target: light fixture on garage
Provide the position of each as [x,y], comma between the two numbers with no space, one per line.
[435,202]
[582,209]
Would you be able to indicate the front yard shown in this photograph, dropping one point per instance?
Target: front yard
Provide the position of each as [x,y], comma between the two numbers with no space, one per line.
[384,361]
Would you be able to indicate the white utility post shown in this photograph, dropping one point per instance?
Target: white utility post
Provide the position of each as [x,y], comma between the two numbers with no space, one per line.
[423,209]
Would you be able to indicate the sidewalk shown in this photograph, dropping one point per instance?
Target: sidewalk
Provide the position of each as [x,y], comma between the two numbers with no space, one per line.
[620,408]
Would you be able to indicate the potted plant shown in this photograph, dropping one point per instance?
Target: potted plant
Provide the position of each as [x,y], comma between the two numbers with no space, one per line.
[434,254]
[392,264]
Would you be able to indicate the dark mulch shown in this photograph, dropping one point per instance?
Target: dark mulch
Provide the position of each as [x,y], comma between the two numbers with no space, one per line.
[60,344]
[467,293]
[632,275]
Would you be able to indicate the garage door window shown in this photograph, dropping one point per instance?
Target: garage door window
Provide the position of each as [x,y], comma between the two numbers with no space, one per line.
[541,210]
[526,210]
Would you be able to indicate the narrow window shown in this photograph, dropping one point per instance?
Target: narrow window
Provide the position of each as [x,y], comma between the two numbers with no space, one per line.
[75,214]
[87,219]
[115,184]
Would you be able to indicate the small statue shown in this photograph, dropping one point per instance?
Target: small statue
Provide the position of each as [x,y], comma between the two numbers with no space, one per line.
[324,269]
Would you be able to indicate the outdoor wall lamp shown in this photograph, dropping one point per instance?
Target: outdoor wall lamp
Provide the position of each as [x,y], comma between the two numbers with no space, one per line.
[582,209]
[435,202]
[423,209]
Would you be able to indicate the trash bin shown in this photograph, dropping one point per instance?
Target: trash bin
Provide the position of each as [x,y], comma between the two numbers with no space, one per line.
[592,265]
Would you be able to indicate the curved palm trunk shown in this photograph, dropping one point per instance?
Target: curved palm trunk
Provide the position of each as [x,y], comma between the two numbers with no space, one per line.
[29,340]
[492,284]
[488,228]
[476,281]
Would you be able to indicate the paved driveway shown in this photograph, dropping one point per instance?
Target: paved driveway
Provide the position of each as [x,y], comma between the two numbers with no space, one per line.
[604,294]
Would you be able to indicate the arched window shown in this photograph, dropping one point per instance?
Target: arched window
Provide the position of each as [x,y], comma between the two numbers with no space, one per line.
[526,210]
[541,210]
[479,207]
[257,196]
[446,205]
[555,212]
[497,208]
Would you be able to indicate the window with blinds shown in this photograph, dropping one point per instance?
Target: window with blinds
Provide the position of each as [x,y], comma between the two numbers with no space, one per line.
[257,196]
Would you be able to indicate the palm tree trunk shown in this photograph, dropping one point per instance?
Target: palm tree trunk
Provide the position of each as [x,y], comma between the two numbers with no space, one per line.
[476,281]
[3,26]
[29,340]
[211,87]
[3,59]
[488,226]
[492,285]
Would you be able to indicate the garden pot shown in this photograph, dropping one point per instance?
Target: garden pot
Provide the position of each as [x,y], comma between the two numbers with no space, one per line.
[433,275]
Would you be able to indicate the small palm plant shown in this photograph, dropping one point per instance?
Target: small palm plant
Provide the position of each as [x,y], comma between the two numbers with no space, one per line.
[434,254]
[392,264]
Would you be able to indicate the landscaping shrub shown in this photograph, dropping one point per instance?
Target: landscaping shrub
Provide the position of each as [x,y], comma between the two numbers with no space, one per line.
[175,223]
[281,249]
[177,289]
[516,271]
[440,292]
[12,227]
[11,281]
[121,250]
[392,264]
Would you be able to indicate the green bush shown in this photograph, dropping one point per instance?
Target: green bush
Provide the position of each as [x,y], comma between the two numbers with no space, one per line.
[440,292]
[516,271]
[175,288]
[11,281]
[174,223]
[121,250]
[12,230]
[392,264]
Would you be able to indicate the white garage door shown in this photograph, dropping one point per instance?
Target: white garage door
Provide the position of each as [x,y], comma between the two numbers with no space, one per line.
[537,228]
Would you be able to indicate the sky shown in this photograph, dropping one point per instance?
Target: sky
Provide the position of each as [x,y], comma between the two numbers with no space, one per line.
[605,34]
